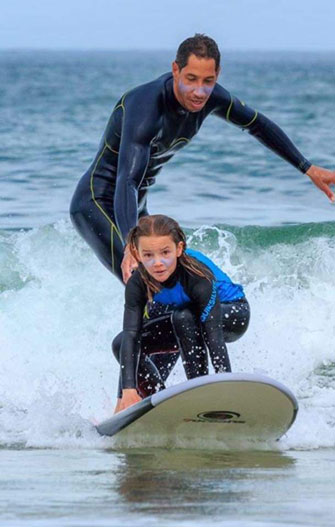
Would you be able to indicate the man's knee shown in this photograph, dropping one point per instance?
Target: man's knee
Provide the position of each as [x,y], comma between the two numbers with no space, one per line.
[78,215]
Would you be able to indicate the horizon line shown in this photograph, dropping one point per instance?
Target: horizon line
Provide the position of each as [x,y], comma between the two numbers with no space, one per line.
[173,50]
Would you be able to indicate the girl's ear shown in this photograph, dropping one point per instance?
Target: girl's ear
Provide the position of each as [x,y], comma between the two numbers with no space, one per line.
[180,248]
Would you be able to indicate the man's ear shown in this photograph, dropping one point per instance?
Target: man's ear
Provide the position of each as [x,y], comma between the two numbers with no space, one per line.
[175,68]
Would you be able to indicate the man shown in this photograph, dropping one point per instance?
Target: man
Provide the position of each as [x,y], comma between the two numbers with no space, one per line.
[147,126]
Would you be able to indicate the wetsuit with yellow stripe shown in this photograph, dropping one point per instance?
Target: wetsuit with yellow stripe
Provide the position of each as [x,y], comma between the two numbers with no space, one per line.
[146,128]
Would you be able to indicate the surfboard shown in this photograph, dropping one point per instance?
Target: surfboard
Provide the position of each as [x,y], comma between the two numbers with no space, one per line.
[225,407]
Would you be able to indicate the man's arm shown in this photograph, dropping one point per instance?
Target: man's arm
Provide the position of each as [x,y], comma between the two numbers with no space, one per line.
[139,126]
[271,135]
[140,123]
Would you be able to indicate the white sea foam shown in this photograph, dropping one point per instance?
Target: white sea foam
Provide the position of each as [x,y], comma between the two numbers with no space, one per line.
[60,309]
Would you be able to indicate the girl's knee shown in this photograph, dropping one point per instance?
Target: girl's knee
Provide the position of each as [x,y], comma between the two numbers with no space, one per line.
[184,320]
[236,329]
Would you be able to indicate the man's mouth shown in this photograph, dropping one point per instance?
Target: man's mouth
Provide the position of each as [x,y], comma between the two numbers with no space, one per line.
[197,102]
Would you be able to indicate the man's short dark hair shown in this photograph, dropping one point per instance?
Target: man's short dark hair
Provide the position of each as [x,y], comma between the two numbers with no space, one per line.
[200,46]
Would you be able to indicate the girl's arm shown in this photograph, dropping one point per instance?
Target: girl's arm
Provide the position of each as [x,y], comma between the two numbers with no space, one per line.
[135,300]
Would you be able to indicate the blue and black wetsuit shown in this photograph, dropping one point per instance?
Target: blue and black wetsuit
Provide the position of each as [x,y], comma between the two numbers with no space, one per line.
[146,128]
[186,313]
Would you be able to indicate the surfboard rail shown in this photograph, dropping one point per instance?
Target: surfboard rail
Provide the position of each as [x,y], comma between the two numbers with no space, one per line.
[131,415]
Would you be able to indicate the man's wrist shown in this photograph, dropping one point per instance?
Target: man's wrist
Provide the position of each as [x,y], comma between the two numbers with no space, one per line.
[310,170]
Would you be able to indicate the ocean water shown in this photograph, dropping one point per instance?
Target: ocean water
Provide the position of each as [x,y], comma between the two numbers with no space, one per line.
[261,220]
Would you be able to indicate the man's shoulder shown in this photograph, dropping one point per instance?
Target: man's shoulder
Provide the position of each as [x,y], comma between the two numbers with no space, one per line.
[148,91]
[219,97]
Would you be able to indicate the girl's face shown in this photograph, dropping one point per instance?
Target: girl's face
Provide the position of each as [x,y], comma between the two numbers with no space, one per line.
[159,255]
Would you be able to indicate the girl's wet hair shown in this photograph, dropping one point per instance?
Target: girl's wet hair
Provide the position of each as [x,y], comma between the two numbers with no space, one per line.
[160,225]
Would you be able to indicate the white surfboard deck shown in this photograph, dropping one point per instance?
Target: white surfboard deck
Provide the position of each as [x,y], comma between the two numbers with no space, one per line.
[224,407]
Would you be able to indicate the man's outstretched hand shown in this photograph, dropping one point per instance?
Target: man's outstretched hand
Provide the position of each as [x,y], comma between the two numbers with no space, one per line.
[322,178]
[128,264]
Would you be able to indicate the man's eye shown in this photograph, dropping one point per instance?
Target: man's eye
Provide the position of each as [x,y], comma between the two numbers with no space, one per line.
[166,252]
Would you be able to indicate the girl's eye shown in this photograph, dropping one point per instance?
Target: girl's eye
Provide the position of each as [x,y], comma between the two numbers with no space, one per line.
[147,255]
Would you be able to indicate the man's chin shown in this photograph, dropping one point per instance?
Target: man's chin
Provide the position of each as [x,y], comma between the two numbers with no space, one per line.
[192,107]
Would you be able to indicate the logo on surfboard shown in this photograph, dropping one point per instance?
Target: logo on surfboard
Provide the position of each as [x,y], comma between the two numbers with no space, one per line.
[218,416]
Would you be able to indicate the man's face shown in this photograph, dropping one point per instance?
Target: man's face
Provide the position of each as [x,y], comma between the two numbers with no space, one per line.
[193,84]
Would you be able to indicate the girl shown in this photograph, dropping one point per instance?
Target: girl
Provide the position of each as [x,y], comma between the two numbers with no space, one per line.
[176,301]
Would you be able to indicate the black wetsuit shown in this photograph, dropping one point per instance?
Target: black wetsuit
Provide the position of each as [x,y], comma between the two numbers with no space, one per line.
[188,312]
[145,130]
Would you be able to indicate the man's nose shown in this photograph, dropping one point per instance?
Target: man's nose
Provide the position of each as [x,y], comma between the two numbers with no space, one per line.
[200,91]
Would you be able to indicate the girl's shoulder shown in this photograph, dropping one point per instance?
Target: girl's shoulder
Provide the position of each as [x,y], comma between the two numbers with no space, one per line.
[135,289]
[191,280]
[197,255]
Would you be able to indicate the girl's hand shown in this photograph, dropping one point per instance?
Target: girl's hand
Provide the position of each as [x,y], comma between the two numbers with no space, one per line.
[129,397]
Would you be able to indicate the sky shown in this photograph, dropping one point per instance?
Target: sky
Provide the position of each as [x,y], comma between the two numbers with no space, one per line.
[163,24]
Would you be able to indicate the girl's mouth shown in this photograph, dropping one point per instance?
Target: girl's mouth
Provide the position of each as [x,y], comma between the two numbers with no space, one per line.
[159,274]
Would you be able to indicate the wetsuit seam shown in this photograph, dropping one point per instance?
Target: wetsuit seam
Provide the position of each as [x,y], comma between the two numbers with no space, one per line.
[252,120]
[144,173]
[123,108]
[121,105]
[110,148]
[168,150]
[178,141]
[229,109]
[113,226]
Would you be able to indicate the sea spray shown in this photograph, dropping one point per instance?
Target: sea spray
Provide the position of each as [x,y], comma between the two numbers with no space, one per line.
[60,309]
